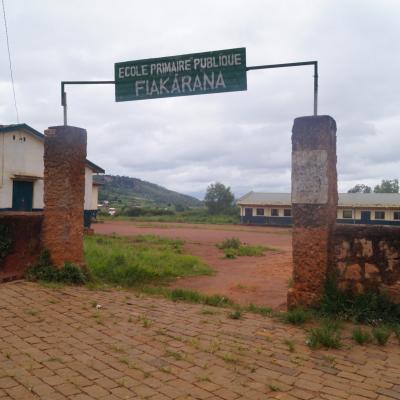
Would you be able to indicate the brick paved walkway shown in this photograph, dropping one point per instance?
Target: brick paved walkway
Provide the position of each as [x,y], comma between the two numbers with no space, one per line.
[55,344]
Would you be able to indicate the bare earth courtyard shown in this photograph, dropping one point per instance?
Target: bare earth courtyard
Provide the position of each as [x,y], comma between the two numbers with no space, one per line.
[258,280]
[56,344]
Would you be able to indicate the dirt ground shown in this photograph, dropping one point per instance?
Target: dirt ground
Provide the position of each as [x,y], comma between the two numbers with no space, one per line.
[258,280]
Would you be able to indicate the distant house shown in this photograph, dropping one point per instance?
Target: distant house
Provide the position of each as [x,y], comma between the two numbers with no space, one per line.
[21,172]
[353,208]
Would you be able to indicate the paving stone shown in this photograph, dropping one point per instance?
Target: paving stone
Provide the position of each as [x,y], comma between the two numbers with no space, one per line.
[66,354]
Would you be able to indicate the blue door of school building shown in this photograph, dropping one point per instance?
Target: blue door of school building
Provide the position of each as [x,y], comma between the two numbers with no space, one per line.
[365,217]
[22,196]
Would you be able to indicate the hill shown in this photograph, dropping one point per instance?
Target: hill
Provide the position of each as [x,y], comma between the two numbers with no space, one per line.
[135,192]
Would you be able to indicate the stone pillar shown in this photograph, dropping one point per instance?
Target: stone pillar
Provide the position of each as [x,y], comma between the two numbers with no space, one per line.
[64,192]
[314,204]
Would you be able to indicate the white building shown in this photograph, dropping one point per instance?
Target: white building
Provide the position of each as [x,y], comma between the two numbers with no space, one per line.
[22,168]
[353,208]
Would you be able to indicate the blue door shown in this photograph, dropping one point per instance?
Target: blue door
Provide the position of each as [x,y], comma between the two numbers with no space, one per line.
[22,196]
[365,217]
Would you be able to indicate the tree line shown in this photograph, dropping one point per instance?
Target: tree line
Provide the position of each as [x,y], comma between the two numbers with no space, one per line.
[386,186]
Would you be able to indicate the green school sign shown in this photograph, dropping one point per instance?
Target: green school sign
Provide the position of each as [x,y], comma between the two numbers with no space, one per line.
[185,75]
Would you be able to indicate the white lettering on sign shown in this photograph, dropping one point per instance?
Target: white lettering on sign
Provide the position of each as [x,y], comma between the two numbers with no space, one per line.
[171,67]
[179,84]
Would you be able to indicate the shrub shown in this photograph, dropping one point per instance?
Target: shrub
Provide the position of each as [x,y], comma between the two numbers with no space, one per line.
[45,271]
[232,243]
[370,308]
[297,316]
[360,336]
[381,334]
[396,330]
[326,335]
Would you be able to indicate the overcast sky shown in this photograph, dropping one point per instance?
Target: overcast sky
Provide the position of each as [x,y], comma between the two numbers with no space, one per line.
[241,139]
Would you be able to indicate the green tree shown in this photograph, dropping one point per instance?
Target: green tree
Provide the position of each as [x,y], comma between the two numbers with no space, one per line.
[360,188]
[219,199]
[387,186]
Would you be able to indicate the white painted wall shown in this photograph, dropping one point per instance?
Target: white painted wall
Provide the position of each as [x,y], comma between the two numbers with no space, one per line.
[21,153]
[95,197]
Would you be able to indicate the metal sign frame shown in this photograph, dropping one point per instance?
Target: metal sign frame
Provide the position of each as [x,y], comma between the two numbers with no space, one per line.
[256,67]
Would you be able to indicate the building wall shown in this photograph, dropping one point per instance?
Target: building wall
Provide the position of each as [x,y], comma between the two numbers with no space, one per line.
[95,197]
[21,153]
[267,219]
[88,188]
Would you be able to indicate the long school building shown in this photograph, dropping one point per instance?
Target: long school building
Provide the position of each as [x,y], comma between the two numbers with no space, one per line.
[22,168]
[353,208]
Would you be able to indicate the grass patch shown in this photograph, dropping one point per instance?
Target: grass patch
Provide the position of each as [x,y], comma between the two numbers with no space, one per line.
[297,316]
[194,215]
[233,248]
[145,258]
[381,335]
[189,296]
[369,308]
[327,335]
[361,336]
[264,311]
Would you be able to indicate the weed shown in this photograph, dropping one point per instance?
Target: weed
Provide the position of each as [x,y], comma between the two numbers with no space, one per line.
[235,314]
[124,360]
[361,336]
[297,316]
[203,378]
[326,335]
[130,319]
[8,355]
[117,349]
[146,322]
[230,358]
[381,334]
[290,345]
[274,388]
[396,330]
[166,370]
[178,356]
[215,346]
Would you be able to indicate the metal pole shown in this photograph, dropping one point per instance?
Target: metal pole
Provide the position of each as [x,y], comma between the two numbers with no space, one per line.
[316,88]
[64,104]
[64,93]
[296,64]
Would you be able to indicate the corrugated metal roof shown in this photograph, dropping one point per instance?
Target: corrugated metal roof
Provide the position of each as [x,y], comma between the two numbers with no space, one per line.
[345,199]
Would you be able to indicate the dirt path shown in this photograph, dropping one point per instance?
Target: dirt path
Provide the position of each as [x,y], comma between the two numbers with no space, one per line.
[258,280]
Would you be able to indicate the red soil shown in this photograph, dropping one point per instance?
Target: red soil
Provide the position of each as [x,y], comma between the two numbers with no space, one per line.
[258,280]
